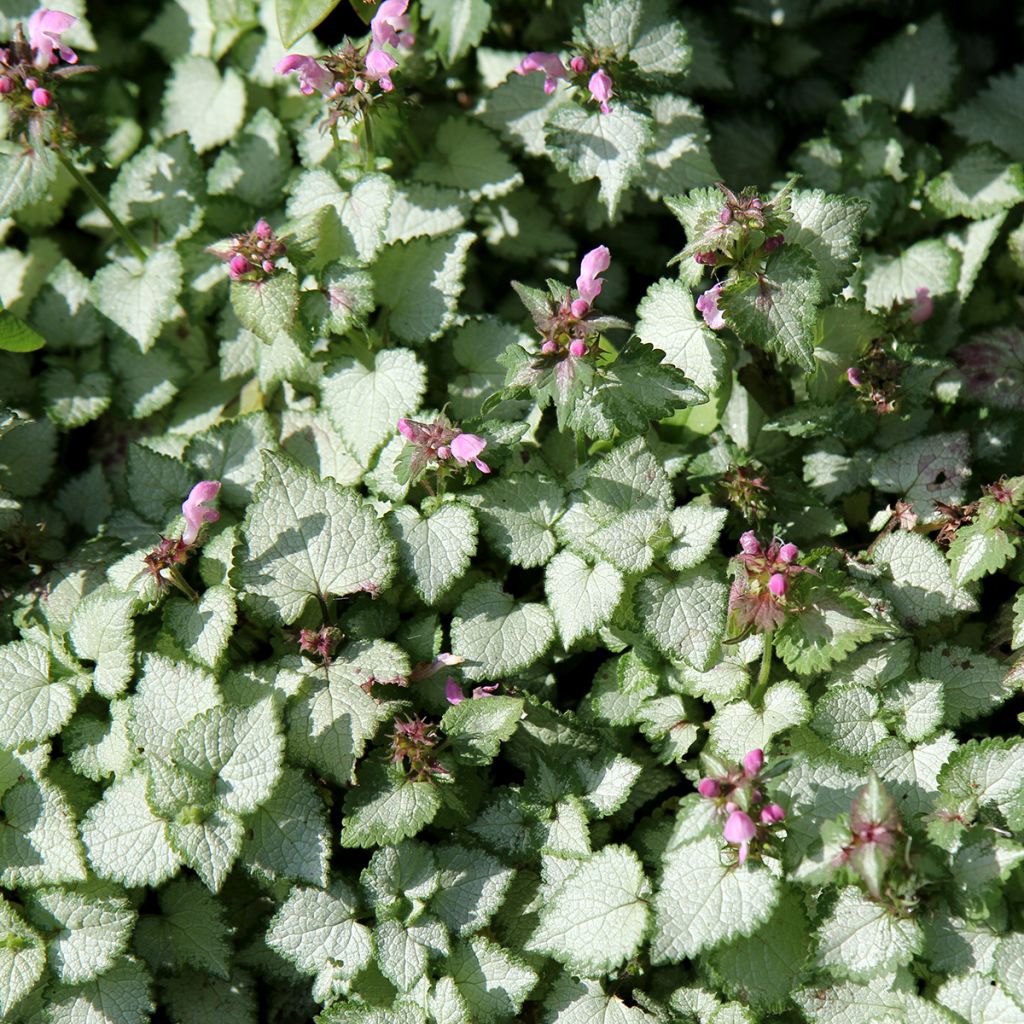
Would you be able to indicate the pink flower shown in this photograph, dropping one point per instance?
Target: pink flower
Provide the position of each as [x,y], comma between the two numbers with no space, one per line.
[709,788]
[589,284]
[773,243]
[453,692]
[739,830]
[778,584]
[548,63]
[600,86]
[388,24]
[706,259]
[6,85]
[771,814]
[466,448]
[749,544]
[263,230]
[312,77]
[41,97]
[854,376]
[707,304]
[45,28]
[753,762]
[195,509]
[923,306]
[406,429]
[379,65]
[788,553]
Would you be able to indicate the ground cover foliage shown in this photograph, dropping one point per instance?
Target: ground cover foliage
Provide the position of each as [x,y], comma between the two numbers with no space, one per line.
[598,435]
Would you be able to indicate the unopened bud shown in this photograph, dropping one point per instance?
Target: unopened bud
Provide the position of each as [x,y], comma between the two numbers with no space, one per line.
[706,259]
[772,814]
[268,266]
[778,584]
[577,348]
[773,243]
[262,229]
[444,452]
[31,83]
[709,788]
[579,65]
[41,97]
[725,217]
[238,265]
[753,762]
[749,544]
[549,347]
[853,375]
[579,308]
[788,553]
[6,85]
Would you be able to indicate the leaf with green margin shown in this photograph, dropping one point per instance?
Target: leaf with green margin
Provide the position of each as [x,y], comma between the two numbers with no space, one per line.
[978,550]
[435,550]
[305,538]
[120,996]
[779,312]
[695,529]
[202,628]
[471,887]
[498,636]
[297,17]
[640,30]
[739,726]
[230,451]
[492,981]
[978,1000]
[702,902]
[139,297]
[828,227]
[25,174]
[517,513]
[974,684]
[102,631]
[582,597]
[995,115]
[386,807]
[978,184]
[22,958]
[471,160]
[478,727]
[269,307]
[35,703]
[930,264]
[1009,966]
[596,919]
[684,616]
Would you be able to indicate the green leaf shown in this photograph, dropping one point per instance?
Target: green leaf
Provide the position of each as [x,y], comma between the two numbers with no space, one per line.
[435,550]
[125,840]
[162,190]
[386,807]
[994,115]
[978,550]
[401,958]
[739,727]
[157,484]
[587,144]
[497,635]
[255,167]
[640,30]
[916,705]
[470,157]
[89,928]
[825,632]
[860,938]
[703,902]
[477,727]
[695,529]
[16,335]
[779,312]
[145,382]
[190,930]
[269,307]
[120,996]
[829,228]
[517,515]
[22,958]
[419,284]
[914,70]
[230,452]
[765,966]
[102,631]
[668,320]
[314,928]
[920,588]
[25,174]
[203,628]
[978,184]
[518,108]
[685,617]
[848,717]
[1009,965]
[987,771]
[458,24]
[585,1002]
[201,102]
[927,264]
[366,404]
[581,597]
[1017,640]
[307,538]
[677,158]
[288,835]
[978,1000]
[139,297]
[240,750]
[33,704]
[926,470]
[27,454]
[471,887]
[597,918]
[492,982]
[74,398]
[297,17]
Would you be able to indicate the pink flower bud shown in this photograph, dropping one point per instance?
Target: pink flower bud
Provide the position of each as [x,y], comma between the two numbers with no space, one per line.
[749,544]
[405,428]
[778,584]
[579,65]
[360,85]
[548,347]
[773,243]
[577,348]
[6,85]
[41,97]
[853,375]
[579,308]
[709,788]
[725,217]
[706,259]
[238,266]
[923,306]
[788,553]
[753,762]
[730,806]
[195,509]
[263,230]
[31,83]
[771,814]
[268,266]
[444,453]
[600,86]
[739,828]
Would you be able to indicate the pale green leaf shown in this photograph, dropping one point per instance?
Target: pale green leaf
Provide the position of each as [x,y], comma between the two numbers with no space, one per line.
[297,17]
[469,159]
[386,807]
[927,264]
[120,996]
[471,887]
[828,227]
[978,1000]
[435,550]
[582,597]
[202,628]
[686,617]
[517,514]
[157,484]
[255,167]
[974,684]
[230,452]
[33,704]
[204,103]
[979,183]
[492,982]
[139,297]
[739,727]
[915,706]
[848,717]
[695,529]
[22,958]
[26,173]
[458,24]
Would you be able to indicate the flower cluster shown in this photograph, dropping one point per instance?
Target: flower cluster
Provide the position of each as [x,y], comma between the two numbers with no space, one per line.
[163,561]
[253,255]
[30,69]
[441,443]
[875,829]
[739,794]
[413,741]
[746,488]
[349,77]
[757,599]
[599,82]
[876,378]
[319,643]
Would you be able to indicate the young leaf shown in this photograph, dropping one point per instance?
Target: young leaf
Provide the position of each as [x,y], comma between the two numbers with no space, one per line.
[517,514]
[477,728]
[386,807]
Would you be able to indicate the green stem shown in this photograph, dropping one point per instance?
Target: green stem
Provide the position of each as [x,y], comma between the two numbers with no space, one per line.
[581,448]
[764,673]
[90,190]
[368,142]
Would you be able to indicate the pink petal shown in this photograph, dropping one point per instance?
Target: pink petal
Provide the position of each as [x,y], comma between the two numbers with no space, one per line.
[195,511]
[707,305]
[466,448]
[389,17]
[788,553]
[600,86]
[739,828]
[379,63]
[923,306]
[753,762]
[709,788]
[550,63]
[405,428]
[453,692]
[596,262]
[778,584]
[749,544]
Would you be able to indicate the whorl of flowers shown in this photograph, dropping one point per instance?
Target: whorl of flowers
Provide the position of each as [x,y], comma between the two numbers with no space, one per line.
[758,597]
[252,255]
